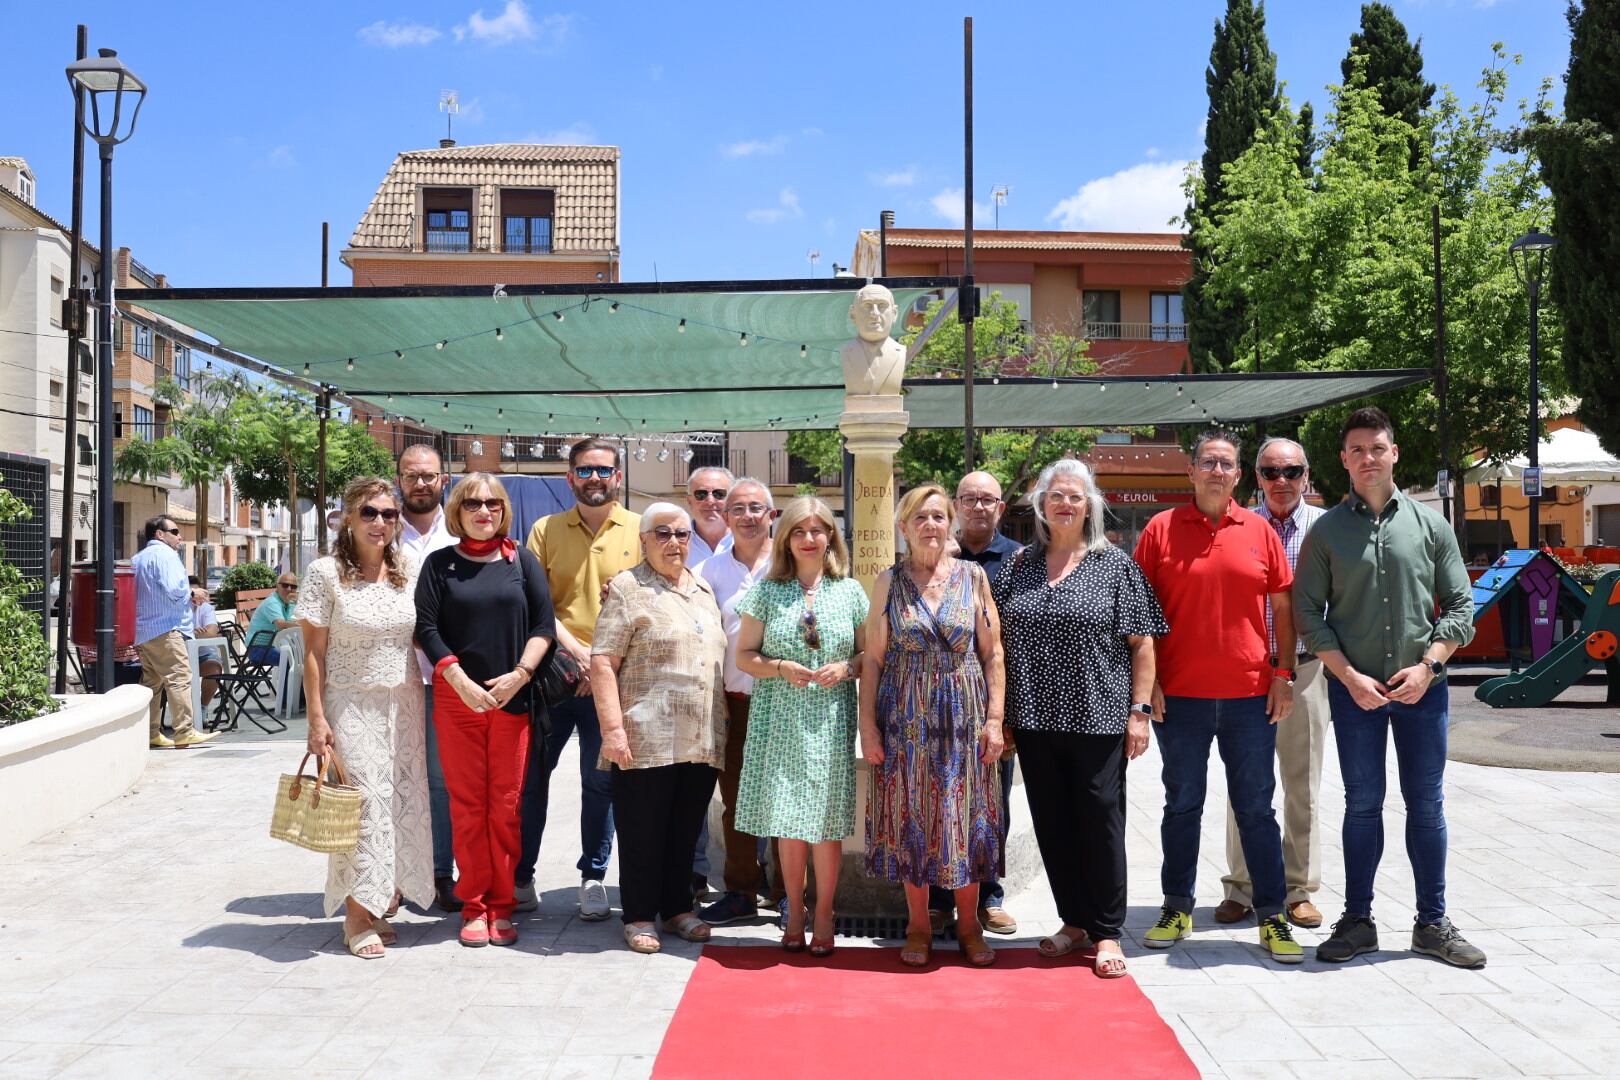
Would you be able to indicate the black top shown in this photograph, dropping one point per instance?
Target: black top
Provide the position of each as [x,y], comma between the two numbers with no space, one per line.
[1068,657]
[483,613]
[994,557]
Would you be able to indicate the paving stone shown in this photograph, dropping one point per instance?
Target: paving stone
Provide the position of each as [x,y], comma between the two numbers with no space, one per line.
[1444,1052]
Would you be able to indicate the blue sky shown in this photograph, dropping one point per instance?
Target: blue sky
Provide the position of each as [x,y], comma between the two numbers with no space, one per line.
[752,133]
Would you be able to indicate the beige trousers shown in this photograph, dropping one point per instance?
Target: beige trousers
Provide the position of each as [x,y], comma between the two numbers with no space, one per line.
[165,666]
[1299,767]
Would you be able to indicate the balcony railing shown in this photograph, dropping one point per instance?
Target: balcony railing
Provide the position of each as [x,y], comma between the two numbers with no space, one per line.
[145,430]
[707,457]
[788,469]
[1133,331]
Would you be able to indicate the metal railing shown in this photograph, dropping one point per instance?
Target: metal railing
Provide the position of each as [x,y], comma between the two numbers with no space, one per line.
[788,469]
[1133,331]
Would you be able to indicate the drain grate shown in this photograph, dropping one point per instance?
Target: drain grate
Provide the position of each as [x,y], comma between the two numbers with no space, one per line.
[870,926]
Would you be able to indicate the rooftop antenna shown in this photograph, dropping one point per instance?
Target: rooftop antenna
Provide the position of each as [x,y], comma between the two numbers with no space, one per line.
[999,193]
[814,256]
[449,104]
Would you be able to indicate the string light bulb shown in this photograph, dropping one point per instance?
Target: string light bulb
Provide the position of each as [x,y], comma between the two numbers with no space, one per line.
[743,339]
[804,351]
[306,367]
[500,335]
[500,412]
[680,327]
[557,315]
[613,308]
[399,354]
[441,344]
[445,406]
[350,365]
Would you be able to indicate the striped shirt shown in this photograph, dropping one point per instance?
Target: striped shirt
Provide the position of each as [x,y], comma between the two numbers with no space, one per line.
[162,592]
[1291,531]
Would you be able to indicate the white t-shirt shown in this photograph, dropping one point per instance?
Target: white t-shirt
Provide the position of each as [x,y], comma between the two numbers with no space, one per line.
[422,544]
[699,551]
[729,577]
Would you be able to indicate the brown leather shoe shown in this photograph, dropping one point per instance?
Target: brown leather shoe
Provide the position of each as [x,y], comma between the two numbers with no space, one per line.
[1304,914]
[997,921]
[1230,911]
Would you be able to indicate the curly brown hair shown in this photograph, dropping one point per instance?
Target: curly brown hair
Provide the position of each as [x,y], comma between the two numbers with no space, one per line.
[346,551]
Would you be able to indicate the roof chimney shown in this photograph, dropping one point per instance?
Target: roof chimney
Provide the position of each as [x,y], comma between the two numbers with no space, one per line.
[445,144]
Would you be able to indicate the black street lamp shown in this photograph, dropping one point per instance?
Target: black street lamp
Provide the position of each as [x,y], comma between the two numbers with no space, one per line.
[1529,254]
[105,80]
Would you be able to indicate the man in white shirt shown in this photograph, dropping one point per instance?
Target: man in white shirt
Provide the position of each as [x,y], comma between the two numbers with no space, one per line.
[706,492]
[421,479]
[730,573]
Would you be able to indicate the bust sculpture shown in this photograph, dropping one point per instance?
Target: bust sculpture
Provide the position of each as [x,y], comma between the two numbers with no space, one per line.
[874,363]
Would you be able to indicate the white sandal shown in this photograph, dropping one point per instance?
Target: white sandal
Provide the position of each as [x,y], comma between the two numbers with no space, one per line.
[365,939]
[637,930]
[1061,944]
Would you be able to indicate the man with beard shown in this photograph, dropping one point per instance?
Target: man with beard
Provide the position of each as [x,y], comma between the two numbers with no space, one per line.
[581,549]
[421,479]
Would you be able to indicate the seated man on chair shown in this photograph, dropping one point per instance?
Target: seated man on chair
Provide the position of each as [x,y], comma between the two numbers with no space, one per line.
[205,624]
[275,614]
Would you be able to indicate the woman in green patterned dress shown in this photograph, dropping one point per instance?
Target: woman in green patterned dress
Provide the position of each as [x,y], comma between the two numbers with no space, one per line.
[801,640]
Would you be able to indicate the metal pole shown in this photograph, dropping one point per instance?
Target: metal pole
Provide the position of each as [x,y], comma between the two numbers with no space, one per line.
[75,329]
[971,307]
[885,219]
[326,234]
[106,609]
[1535,412]
[323,404]
[1441,385]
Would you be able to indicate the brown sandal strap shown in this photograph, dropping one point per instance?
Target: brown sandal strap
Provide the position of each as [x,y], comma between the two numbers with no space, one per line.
[917,942]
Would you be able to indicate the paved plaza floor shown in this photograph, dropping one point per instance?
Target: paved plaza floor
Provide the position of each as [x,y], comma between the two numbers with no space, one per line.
[167,936]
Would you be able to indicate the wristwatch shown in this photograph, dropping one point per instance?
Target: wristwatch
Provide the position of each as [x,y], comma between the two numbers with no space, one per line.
[1436,668]
[1145,710]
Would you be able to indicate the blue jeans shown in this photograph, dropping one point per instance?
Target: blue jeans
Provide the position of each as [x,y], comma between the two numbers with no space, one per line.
[596,794]
[438,796]
[264,654]
[991,893]
[1420,760]
[1248,745]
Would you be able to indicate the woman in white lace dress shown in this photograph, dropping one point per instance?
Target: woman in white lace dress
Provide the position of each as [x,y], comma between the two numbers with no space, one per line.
[358,613]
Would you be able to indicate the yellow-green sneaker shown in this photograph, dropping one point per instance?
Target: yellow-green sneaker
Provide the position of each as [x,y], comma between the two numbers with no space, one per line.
[1277,938]
[1172,927]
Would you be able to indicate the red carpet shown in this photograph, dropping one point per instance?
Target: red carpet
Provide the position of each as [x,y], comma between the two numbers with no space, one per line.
[756,1012]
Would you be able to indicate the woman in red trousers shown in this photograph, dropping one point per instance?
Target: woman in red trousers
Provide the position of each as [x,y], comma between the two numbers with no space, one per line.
[484,618]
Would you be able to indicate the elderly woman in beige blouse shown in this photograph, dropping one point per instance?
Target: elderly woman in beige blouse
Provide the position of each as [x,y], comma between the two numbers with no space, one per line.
[658,678]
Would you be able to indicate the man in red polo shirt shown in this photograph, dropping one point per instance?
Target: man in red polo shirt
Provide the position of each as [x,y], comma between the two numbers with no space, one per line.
[1213,566]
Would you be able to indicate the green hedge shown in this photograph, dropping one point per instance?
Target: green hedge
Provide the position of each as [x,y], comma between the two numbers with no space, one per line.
[25,658]
[243,577]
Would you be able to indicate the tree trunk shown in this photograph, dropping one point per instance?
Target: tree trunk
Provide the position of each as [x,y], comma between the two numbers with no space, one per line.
[292,512]
[202,533]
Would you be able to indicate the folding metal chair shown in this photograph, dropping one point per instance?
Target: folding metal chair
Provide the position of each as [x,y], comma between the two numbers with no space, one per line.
[243,691]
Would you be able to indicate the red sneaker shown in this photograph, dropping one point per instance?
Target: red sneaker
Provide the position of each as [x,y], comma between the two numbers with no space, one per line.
[502,932]
[475,933]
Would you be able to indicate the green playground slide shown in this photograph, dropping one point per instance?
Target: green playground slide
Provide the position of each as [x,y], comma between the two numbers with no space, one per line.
[1568,661]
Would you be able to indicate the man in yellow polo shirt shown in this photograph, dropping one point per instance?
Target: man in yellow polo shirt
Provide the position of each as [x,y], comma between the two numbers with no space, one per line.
[581,549]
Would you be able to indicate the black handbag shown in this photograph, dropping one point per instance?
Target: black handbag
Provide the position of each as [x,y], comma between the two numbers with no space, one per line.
[559,676]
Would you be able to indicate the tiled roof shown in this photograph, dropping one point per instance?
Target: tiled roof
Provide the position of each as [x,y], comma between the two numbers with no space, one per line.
[16,163]
[15,203]
[584,179]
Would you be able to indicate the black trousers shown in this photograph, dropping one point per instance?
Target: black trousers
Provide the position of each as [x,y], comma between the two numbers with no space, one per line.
[659,812]
[1076,790]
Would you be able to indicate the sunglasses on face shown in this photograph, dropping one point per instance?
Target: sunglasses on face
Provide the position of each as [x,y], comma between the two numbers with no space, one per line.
[601,472]
[492,505]
[1278,472]
[807,626]
[717,494]
[286,584]
[171,532]
[372,513]
[664,534]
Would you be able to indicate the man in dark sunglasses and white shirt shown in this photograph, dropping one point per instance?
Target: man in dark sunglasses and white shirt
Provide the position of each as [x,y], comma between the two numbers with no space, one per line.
[706,492]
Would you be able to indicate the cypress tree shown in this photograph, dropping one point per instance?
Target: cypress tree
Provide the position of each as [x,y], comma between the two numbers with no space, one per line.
[1242,84]
[1394,63]
[1581,165]
[1307,139]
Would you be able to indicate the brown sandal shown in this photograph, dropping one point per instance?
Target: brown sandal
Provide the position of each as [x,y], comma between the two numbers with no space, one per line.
[970,939]
[918,949]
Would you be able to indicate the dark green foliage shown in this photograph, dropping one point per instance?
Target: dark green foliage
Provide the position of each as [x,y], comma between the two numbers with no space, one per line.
[1242,85]
[25,659]
[1394,64]
[1581,164]
[1307,138]
[243,577]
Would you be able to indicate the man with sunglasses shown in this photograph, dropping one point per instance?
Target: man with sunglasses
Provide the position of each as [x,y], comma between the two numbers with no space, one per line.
[274,614]
[163,596]
[421,478]
[730,573]
[706,491]
[582,549]
[1282,475]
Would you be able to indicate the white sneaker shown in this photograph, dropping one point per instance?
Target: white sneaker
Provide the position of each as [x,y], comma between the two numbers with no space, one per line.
[593,901]
[525,897]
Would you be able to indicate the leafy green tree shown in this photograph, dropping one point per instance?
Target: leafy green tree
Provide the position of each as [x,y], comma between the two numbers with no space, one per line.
[1336,267]
[1014,456]
[1581,164]
[1307,139]
[25,658]
[199,448]
[1394,64]
[1241,81]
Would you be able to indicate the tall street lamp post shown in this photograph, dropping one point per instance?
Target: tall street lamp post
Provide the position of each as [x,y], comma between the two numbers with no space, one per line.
[105,80]
[1529,254]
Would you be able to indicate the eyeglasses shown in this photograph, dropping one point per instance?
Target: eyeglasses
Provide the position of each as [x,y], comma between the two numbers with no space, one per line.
[1278,472]
[664,534]
[1216,465]
[717,494]
[812,636]
[171,532]
[286,584]
[976,502]
[415,479]
[748,510]
[475,505]
[601,472]
[372,513]
[1066,497]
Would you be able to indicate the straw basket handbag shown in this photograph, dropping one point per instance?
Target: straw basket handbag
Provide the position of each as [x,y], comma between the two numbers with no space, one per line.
[315,814]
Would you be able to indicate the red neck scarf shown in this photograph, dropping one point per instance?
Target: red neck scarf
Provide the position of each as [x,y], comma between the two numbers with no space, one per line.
[480,548]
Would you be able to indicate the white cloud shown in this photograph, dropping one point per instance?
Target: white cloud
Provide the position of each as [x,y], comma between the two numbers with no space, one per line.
[895,177]
[398,35]
[1141,198]
[1151,152]
[752,147]
[578,133]
[948,205]
[787,207]
[514,23]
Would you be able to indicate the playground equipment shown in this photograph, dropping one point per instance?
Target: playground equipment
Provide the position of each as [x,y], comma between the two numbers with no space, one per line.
[1568,661]
[1518,601]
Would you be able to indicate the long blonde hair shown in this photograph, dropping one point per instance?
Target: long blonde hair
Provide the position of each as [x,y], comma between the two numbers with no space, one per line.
[347,551]
[834,564]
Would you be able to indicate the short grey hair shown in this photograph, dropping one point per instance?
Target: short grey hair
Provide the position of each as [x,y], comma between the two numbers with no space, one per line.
[750,481]
[1295,443]
[1217,435]
[658,510]
[730,480]
[1095,535]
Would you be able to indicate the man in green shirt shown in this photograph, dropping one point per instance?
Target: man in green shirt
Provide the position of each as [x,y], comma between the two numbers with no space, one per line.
[1371,574]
